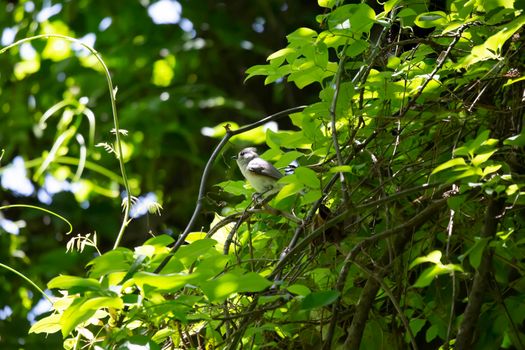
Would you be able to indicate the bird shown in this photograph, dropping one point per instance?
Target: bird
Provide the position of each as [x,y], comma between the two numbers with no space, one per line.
[261,174]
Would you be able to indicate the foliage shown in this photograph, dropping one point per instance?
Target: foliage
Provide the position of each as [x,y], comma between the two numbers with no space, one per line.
[402,226]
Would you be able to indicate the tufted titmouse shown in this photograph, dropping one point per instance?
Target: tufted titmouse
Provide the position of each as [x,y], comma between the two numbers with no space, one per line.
[261,174]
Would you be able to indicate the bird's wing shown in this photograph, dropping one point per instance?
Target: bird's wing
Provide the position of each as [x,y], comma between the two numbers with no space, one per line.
[262,167]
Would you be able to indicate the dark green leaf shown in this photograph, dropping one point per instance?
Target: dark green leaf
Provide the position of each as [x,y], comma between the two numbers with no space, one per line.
[316,300]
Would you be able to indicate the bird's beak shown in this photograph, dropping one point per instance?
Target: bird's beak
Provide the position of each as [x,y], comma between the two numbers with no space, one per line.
[234,157]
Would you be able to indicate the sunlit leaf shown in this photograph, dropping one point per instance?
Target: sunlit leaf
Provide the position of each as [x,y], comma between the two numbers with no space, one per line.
[189,253]
[482,158]
[73,282]
[116,260]
[231,282]
[84,308]
[433,257]
[449,164]
[49,324]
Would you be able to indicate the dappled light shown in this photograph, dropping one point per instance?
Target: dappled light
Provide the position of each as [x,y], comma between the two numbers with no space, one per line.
[262,175]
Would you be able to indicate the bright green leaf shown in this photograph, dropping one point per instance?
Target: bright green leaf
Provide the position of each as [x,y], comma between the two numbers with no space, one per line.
[433,257]
[49,324]
[231,282]
[160,241]
[482,158]
[326,3]
[286,52]
[489,169]
[69,282]
[83,309]
[168,282]
[449,164]
[189,253]
[116,260]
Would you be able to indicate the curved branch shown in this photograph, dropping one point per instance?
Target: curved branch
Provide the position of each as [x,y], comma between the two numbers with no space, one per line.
[206,174]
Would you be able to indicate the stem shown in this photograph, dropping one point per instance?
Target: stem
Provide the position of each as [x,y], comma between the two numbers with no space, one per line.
[28,280]
[112,93]
[41,209]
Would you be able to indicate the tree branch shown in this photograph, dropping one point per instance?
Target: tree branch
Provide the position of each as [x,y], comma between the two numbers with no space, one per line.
[372,286]
[206,173]
[465,335]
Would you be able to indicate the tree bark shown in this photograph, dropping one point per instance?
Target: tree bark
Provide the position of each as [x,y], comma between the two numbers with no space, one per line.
[465,337]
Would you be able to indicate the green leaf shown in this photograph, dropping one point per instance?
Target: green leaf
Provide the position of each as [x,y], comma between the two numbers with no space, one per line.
[431,19]
[390,4]
[516,140]
[169,282]
[326,3]
[428,275]
[433,257]
[308,177]
[49,324]
[82,309]
[299,289]
[489,169]
[310,197]
[308,73]
[302,36]
[319,299]
[116,260]
[73,282]
[476,251]
[264,69]
[287,158]
[482,158]
[232,282]
[190,253]
[160,241]
[416,325]
[356,48]
[289,190]
[449,164]
[283,53]
[492,47]
[455,202]
[357,18]
[234,187]
[432,333]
